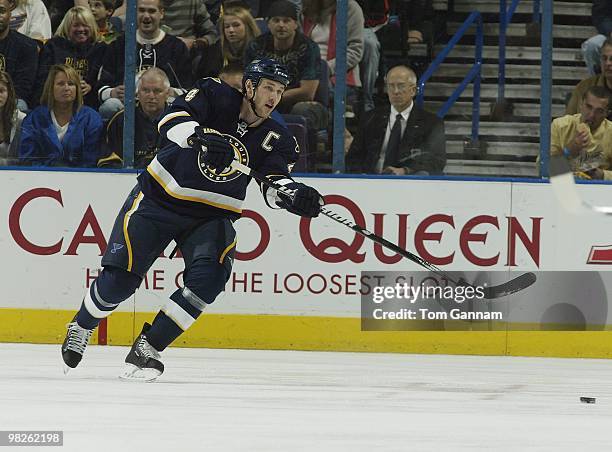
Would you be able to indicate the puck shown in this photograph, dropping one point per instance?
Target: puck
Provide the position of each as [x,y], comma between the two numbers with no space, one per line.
[587,399]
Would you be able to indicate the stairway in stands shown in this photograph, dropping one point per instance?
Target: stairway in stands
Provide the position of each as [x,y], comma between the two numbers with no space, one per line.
[512,144]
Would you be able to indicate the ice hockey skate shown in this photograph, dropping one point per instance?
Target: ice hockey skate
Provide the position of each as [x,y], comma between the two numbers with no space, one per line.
[143,362]
[74,345]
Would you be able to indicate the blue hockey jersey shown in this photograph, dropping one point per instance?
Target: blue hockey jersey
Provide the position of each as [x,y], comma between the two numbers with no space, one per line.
[178,180]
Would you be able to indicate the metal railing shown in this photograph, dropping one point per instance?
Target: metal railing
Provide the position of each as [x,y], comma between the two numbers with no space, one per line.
[474,74]
[129,82]
[545,18]
[505,17]
[546,85]
[338,162]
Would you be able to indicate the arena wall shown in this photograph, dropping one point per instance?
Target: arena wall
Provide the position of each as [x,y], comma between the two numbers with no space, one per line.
[296,283]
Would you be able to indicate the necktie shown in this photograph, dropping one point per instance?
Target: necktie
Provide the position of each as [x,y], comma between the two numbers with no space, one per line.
[394,141]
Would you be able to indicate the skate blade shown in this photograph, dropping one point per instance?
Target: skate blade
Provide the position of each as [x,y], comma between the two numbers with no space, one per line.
[134,373]
[66,368]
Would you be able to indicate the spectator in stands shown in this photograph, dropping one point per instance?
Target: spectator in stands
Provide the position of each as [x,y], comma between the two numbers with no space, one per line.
[232,75]
[10,122]
[376,14]
[604,79]
[400,139]
[601,13]
[237,29]
[287,45]
[18,57]
[155,48]
[301,55]
[76,44]
[61,131]
[30,17]
[152,91]
[190,21]
[320,26]
[109,28]
[586,137]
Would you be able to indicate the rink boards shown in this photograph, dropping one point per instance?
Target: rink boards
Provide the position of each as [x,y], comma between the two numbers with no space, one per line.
[296,283]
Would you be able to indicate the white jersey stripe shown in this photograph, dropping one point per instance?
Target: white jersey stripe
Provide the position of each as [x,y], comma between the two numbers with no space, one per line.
[171,186]
[180,132]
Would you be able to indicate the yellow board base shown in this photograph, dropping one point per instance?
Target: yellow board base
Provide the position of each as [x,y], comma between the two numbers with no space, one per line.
[278,332]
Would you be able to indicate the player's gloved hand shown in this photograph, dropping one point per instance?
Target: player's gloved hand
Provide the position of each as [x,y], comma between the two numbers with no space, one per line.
[306,201]
[216,150]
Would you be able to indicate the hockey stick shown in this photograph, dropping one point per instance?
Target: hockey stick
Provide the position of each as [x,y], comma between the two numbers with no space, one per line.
[564,187]
[514,285]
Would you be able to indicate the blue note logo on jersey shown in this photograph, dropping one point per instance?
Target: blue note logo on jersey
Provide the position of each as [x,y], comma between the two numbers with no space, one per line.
[240,153]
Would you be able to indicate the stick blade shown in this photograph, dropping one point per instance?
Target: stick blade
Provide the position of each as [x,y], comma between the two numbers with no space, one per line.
[558,165]
[603,209]
[563,185]
[564,188]
[514,285]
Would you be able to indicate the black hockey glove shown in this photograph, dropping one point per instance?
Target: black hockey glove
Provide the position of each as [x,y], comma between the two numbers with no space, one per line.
[306,201]
[216,150]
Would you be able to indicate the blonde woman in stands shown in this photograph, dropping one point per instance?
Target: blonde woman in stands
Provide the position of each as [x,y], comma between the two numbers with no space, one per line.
[237,28]
[30,17]
[77,43]
[10,121]
[61,131]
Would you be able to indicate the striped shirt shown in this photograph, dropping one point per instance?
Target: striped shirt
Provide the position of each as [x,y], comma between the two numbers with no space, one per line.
[189,18]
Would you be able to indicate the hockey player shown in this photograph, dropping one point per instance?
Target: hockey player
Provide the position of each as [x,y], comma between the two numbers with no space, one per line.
[190,194]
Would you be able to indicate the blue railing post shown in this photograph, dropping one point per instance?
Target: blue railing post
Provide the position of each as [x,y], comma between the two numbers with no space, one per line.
[129,83]
[477,77]
[340,87]
[505,17]
[546,85]
[501,64]
[536,12]
[474,74]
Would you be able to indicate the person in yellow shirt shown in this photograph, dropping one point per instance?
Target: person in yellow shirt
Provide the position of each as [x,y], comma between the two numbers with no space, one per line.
[604,79]
[585,138]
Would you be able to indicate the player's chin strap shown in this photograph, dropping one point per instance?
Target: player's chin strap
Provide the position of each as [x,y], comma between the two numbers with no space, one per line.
[514,285]
[252,104]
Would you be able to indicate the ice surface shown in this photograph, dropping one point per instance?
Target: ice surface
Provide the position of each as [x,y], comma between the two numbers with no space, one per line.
[247,400]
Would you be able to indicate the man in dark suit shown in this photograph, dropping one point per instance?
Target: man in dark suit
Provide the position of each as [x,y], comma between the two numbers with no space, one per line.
[401,138]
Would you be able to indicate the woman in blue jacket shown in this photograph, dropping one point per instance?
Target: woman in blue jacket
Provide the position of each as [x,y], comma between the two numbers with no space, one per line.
[61,131]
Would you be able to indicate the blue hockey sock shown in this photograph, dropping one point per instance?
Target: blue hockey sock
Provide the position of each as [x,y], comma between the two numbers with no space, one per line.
[163,332]
[110,288]
[173,319]
[91,303]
